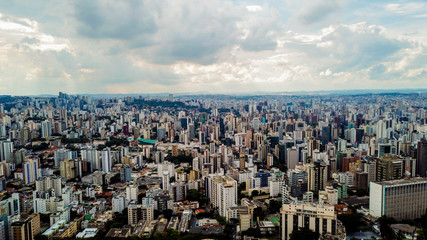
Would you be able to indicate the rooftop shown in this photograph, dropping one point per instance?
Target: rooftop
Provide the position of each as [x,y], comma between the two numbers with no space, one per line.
[405,181]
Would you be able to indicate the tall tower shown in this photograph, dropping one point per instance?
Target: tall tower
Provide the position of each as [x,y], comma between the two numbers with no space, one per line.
[422,158]
[317,173]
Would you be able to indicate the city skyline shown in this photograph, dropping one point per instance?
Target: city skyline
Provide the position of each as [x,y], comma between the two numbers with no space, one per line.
[130,47]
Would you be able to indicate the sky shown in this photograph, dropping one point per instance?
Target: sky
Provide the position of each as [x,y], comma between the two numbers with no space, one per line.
[214,46]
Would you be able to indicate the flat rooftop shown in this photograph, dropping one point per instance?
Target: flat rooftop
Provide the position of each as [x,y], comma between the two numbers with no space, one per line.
[402,181]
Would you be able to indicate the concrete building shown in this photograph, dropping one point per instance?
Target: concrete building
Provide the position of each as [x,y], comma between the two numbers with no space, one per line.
[106,160]
[119,203]
[46,130]
[132,192]
[222,190]
[329,196]
[26,229]
[60,155]
[31,170]
[400,199]
[242,214]
[6,150]
[317,173]
[292,157]
[138,212]
[422,158]
[67,169]
[49,183]
[389,167]
[321,219]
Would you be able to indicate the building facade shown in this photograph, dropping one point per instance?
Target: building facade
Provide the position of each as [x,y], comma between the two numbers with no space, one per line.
[400,199]
[321,219]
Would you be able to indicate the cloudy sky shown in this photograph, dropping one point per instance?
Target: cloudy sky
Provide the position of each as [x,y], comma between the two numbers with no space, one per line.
[216,46]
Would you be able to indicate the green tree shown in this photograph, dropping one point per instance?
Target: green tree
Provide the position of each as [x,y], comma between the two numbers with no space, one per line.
[169,233]
[422,223]
[400,235]
[258,213]
[194,195]
[352,222]
[251,232]
[221,220]
[304,233]
[386,232]
[274,206]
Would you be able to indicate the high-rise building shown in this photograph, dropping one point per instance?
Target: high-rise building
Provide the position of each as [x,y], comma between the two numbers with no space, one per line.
[242,161]
[400,199]
[132,192]
[67,169]
[6,150]
[126,173]
[321,219]
[26,229]
[371,169]
[161,133]
[106,160]
[46,130]
[175,151]
[292,157]
[422,158]
[362,180]
[60,155]
[35,223]
[31,170]
[389,167]
[317,174]
[49,183]
[119,203]
[222,190]
[3,229]
[243,214]
[179,191]
[93,159]
[137,213]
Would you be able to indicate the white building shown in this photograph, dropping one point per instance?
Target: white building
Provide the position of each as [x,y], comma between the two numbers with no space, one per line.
[292,157]
[222,190]
[106,160]
[3,226]
[46,130]
[31,170]
[400,199]
[275,187]
[346,178]
[318,218]
[132,192]
[329,196]
[119,203]
[50,183]
[6,150]
[60,155]
[39,205]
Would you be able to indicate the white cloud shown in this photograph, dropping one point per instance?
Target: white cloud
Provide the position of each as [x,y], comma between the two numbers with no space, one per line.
[406,8]
[254,8]
[217,46]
